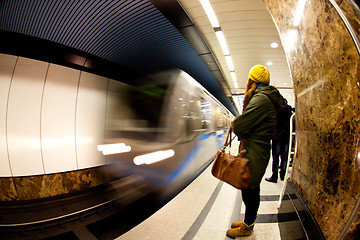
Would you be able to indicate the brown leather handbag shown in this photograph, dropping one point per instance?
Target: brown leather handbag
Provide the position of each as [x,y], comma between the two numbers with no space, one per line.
[234,170]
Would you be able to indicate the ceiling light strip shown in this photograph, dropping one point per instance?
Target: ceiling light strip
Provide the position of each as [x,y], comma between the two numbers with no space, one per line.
[230,63]
[233,76]
[238,103]
[220,36]
[210,13]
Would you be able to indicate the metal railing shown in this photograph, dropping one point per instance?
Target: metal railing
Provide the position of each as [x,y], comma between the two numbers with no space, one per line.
[289,155]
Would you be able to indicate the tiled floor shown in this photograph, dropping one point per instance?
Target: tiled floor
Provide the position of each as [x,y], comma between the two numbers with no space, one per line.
[207,207]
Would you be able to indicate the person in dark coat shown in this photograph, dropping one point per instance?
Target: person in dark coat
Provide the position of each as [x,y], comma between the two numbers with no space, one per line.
[280,142]
[255,126]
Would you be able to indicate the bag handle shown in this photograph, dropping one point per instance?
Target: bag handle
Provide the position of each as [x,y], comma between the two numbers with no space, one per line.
[242,149]
[228,141]
[228,138]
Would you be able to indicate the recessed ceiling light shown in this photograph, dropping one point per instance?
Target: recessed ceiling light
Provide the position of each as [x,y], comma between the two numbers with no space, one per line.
[274,45]
[269,63]
[285,83]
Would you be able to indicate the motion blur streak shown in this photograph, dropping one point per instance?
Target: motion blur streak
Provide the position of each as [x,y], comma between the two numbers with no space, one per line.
[153,157]
[108,149]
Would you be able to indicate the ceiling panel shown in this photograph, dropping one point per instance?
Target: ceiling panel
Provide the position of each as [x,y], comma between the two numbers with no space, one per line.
[249,30]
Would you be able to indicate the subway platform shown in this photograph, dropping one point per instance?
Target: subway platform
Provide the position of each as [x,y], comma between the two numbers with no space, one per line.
[207,207]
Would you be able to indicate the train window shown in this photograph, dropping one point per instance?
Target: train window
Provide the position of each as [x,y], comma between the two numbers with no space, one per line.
[218,117]
[147,101]
[140,115]
[193,122]
[222,119]
[226,120]
[206,114]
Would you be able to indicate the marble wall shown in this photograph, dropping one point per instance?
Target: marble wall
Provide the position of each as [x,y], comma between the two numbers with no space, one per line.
[325,66]
[50,185]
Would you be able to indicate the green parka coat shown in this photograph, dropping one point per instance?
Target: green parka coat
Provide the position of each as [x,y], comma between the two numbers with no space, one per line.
[257,125]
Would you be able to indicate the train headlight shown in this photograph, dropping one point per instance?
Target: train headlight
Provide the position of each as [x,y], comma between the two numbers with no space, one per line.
[153,157]
[108,149]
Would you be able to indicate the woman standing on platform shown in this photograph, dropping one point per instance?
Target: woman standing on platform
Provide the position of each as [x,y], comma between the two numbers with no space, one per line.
[255,126]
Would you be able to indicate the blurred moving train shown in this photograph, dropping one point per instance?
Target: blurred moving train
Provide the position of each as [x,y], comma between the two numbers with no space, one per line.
[152,136]
[164,129]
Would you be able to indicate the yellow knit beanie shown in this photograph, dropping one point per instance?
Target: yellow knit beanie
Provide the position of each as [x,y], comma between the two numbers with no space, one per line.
[259,74]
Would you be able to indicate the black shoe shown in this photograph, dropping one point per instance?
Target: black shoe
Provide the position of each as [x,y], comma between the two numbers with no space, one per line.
[270,179]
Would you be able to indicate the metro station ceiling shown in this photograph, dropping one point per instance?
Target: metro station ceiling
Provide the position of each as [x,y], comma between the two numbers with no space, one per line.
[130,37]
[249,31]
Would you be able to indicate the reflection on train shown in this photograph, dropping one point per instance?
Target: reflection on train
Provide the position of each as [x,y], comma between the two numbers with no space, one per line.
[163,130]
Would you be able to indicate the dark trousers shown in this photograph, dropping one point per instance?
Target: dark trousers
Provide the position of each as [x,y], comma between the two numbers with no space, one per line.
[251,199]
[280,148]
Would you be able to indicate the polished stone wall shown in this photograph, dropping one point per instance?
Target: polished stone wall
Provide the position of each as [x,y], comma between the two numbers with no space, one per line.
[50,185]
[325,67]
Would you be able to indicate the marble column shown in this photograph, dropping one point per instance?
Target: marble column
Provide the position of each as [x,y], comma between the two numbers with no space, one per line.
[325,67]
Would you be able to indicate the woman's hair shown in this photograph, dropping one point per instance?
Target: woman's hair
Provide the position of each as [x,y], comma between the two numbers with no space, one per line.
[249,92]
